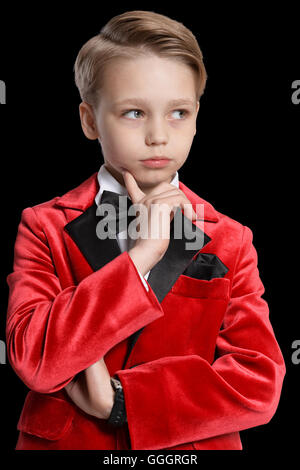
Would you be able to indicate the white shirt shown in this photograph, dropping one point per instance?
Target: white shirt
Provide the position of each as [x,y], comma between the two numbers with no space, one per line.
[108,182]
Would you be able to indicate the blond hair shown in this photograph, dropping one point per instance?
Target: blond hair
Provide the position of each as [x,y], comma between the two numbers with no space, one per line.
[131,34]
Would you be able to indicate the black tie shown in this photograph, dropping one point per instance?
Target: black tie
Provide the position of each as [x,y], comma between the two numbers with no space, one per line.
[121,208]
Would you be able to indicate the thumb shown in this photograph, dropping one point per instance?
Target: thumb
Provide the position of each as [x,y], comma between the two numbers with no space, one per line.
[135,193]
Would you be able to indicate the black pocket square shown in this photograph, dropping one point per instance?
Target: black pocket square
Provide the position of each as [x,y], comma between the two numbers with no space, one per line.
[206,266]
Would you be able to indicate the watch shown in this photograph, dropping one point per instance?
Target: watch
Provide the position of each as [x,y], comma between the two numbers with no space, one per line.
[118,415]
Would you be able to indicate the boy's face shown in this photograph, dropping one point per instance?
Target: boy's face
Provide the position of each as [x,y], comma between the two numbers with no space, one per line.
[132,132]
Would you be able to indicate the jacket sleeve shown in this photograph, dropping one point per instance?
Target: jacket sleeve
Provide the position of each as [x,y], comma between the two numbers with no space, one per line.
[180,399]
[54,333]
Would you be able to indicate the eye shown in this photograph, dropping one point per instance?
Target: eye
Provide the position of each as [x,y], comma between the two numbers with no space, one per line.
[135,112]
[181,111]
[132,111]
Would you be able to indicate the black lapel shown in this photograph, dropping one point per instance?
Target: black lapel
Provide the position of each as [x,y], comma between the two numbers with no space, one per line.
[83,232]
[164,274]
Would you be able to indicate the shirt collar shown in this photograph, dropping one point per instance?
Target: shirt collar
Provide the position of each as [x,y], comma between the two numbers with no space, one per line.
[107,182]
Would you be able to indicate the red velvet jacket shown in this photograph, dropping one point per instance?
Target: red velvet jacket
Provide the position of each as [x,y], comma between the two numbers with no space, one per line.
[204,362]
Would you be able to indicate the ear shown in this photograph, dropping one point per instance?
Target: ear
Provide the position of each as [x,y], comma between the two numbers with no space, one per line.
[197,109]
[88,121]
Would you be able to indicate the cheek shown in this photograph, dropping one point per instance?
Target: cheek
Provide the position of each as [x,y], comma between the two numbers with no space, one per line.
[184,140]
[182,131]
[121,131]
[187,136]
[118,144]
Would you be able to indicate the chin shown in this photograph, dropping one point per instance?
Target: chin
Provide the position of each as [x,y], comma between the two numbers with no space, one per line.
[151,180]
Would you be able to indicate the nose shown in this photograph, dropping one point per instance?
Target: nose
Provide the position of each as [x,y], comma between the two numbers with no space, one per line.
[156,132]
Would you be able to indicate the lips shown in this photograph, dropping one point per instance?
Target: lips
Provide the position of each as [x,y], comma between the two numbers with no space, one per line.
[156,158]
[156,162]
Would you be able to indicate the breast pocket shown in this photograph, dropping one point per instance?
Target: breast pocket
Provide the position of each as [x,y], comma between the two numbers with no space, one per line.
[194,312]
[216,288]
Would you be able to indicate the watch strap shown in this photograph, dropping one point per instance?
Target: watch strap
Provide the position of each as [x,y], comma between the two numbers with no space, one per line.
[118,415]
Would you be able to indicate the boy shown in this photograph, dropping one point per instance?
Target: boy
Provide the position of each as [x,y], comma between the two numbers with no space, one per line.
[139,342]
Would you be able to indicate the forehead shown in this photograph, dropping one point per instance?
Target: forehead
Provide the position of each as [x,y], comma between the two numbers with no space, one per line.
[149,77]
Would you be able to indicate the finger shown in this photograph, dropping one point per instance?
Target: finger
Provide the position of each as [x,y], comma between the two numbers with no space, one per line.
[182,202]
[159,196]
[135,193]
[172,192]
[189,211]
[162,187]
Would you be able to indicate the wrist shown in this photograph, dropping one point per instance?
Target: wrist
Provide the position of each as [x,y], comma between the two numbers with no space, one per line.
[143,263]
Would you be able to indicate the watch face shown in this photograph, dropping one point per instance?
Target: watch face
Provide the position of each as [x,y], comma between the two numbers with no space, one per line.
[116,384]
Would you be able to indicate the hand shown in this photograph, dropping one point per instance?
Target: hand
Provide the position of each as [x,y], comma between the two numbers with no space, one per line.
[92,391]
[154,234]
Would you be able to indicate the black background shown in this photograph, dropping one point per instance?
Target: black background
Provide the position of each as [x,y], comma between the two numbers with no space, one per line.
[243,159]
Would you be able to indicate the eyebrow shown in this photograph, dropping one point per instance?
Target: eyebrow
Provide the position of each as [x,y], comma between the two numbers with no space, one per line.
[139,102]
